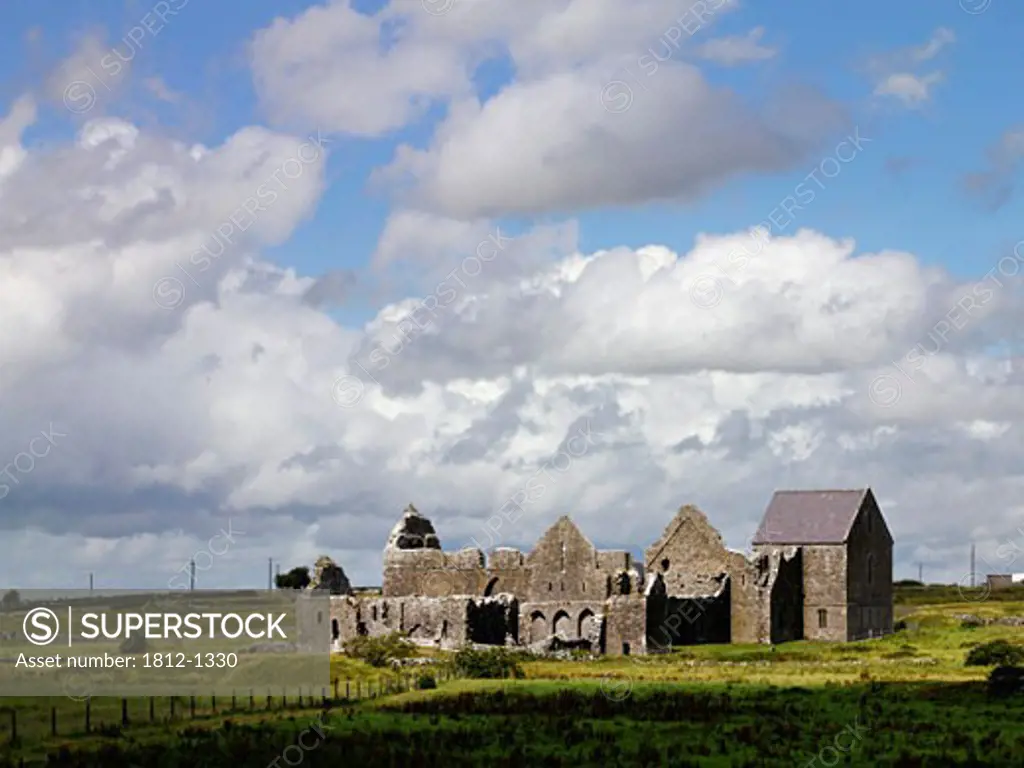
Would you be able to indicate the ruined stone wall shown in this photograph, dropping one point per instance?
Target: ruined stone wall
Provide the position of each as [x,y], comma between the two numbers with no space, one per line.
[564,567]
[434,573]
[568,619]
[507,573]
[448,623]
[625,630]
[869,593]
[692,561]
[344,618]
[786,601]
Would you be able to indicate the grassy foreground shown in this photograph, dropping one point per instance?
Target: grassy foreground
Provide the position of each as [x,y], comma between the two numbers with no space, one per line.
[905,700]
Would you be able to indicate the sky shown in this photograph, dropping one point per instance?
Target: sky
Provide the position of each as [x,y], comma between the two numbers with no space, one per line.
[270,272]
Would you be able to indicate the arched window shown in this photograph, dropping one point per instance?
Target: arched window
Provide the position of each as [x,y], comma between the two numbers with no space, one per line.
[822,618]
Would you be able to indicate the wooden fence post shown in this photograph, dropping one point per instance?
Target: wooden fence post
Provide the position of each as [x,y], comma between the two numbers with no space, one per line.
[172,706]
[14,726]
[53,721]
[152,710]
[213,703]
[346,692]
[88,714]
[124,711]
[192,707]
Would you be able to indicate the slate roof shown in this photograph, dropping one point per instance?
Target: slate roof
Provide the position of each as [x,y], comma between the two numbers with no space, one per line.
[810,517]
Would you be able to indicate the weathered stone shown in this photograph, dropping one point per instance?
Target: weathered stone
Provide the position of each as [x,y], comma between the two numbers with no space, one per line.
[567,594]
[328,575]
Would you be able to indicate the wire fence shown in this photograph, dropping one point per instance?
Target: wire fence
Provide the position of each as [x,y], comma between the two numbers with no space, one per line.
[109,716]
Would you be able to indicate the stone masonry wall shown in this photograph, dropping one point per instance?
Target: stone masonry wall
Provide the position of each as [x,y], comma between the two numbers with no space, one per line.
[869,593]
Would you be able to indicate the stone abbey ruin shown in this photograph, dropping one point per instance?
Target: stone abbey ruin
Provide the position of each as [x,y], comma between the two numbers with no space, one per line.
[821,569]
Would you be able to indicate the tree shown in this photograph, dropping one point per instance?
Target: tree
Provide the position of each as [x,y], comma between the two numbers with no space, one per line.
[296,578]
[10,601]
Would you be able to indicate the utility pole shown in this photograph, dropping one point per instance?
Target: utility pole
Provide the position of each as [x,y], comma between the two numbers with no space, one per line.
[90,581]
[972,564]
[270,573]
[920,572]
[192,575]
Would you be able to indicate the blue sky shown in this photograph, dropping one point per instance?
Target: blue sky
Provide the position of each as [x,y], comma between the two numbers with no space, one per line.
[203,55]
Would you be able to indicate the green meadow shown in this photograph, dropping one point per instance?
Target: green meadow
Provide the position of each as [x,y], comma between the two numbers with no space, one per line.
[904,700]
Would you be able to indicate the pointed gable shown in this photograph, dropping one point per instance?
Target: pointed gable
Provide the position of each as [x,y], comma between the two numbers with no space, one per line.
[563,531]
[810,517]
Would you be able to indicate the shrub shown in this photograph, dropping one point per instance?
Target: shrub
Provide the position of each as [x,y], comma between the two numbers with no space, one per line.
[971,622]
[899,626]
[379,651]
[998,652]
[426,682]
[492,663]
[1005,681]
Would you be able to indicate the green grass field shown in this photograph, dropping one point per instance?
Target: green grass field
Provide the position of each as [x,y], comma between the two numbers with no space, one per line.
[906,699]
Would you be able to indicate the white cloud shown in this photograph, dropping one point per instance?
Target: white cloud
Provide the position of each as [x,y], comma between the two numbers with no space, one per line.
[897,74]
[912,90]
[730,51]
[530,147]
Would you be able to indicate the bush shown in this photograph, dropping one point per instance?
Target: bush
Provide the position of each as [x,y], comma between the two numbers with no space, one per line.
[899,626]
[426,683]
[493,663]
[971,622]
[996,653]
[1006,681]
[379,651]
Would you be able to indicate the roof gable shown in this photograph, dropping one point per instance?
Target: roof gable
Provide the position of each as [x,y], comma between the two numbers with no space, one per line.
[810,517]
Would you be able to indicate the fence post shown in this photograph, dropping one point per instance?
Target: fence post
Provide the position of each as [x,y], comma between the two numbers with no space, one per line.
[124,711]
[346,692]
[268,700]
[172,707]
[88,714]
[213,704]
[14,726]
[252,700]
[192,707]
[300,697]
[53,721]
[334,682]
[232,701]
[152,710]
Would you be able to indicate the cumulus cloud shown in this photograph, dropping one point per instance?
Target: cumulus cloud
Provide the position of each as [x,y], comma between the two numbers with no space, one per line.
[530,147]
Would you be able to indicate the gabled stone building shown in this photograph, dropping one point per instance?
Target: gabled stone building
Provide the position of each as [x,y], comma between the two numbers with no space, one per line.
[820,551]
[847,559]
